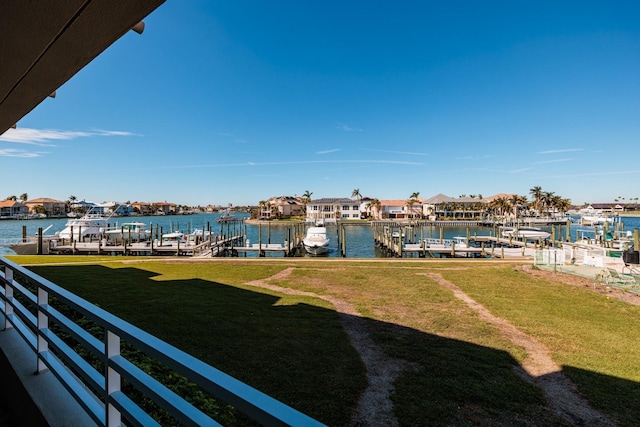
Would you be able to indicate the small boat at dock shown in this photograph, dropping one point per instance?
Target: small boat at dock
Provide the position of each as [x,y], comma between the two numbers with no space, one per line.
[526,233]
[132,231]
[315,241]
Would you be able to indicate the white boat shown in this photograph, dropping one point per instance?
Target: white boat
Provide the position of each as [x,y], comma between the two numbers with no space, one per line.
[458,242]
[592,216]
[597,219]
[172,240]
[315,241]
[90,226]
[29,246]
[528,233]
[131,231]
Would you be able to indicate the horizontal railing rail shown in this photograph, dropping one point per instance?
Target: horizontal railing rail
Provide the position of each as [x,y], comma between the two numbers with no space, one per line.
[26,301]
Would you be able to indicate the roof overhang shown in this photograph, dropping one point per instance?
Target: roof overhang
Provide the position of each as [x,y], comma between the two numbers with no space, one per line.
[43,44]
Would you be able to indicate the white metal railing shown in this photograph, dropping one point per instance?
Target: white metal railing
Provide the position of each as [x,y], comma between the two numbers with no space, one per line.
[25,302]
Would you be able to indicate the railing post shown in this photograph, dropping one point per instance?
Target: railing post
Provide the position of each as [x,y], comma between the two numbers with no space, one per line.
[113,379]
[43,323]
[8,293]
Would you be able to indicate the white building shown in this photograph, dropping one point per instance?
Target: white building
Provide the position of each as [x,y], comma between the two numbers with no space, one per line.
[331,209]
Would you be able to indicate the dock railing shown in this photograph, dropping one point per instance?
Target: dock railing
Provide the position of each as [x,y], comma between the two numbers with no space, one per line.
[34,307]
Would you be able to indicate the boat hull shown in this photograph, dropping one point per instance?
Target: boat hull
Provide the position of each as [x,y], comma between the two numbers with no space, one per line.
[316,250]
[316,242]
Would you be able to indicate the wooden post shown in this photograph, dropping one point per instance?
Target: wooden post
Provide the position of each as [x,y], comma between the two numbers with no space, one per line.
[636,246]
[39,243]
[344,243]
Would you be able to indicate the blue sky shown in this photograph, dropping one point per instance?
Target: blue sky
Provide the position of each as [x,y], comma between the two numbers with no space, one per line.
[237,101]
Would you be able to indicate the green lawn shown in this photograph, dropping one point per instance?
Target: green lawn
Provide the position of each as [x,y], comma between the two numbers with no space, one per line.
[460,369]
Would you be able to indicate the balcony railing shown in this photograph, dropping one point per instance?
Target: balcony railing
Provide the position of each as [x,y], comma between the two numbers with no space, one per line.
[27,302]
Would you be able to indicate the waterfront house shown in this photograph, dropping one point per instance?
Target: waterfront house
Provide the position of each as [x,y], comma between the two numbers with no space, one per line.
[332,209]
[84,207]
[281,207]
[116,208]
[441,207]
[164,208]
[52,207]
[143,208]
[400,209]
[365,207]
[11,209]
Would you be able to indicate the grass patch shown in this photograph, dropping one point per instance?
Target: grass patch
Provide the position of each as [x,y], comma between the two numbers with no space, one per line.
[460,369]
[595,339]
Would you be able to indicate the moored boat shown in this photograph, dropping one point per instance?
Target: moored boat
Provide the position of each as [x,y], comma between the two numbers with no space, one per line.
[131,231]
[29,245]
[527,233]
[227,217]
[90,226]
[315,241]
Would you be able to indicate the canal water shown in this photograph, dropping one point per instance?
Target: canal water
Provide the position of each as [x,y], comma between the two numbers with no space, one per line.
[358,238]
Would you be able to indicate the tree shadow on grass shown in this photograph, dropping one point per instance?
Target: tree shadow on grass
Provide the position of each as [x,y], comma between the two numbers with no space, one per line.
[298,352]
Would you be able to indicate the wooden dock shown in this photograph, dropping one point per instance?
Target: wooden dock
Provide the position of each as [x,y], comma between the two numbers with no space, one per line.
[399,240]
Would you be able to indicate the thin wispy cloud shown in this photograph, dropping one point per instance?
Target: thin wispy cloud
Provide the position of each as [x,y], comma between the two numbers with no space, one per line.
[348,128]
[291,163]
[519,170]
[587,174]
[12,152]
[42,137]
[410,153]
[333,150]
[102,132]
[542,162]
[563,150]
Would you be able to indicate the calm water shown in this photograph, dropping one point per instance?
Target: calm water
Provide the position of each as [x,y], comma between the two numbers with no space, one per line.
[359,238]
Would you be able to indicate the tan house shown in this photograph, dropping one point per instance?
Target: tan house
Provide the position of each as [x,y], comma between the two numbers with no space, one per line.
[52,207]
[143,208]
[13,209]
[164,207]
[282,207]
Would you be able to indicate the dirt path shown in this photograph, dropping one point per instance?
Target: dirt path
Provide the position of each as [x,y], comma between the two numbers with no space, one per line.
[538,366]
[374,407]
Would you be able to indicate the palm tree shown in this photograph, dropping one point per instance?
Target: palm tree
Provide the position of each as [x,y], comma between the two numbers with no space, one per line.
[24,197]
[547,199]
[413,199]
[536,192]
[562,205]
[261,205]
[374,206]
[517,202]
[306,198]
[356,193]
[14,198]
